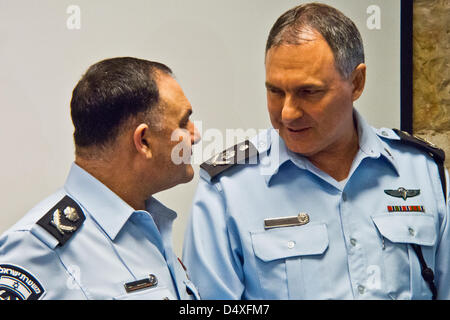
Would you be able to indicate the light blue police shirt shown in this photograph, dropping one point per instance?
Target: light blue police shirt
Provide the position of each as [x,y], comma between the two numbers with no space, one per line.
[114,248]
[353,247]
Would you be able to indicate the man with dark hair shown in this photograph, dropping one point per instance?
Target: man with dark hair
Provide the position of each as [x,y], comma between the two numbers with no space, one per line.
[332,209]
[103,235]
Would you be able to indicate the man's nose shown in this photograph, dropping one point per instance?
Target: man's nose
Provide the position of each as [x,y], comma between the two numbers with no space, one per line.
[195,135]
[291,110]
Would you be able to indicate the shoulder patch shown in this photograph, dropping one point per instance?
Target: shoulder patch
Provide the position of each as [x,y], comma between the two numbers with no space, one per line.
[241,153]
[63,220]
[18,284]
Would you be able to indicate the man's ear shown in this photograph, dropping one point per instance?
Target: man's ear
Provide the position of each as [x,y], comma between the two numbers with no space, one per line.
[358,78]
[141,139]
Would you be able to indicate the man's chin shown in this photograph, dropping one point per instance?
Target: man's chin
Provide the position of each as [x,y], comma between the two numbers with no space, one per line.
[189,174]
[299,148]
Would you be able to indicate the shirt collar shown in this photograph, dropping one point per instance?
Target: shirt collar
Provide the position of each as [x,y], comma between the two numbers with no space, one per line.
[370,143]
[368,140]
[274,153]
[107,208]
[159,211]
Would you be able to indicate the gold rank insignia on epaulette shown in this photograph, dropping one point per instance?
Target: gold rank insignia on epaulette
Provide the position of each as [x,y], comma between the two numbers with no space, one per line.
[63,220]
[241,153]
[435,152]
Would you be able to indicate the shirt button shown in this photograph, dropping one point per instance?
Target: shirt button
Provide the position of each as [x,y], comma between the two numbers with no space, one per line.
[353,241]
[361,289]
[291,244]
[344,196]
[411,231]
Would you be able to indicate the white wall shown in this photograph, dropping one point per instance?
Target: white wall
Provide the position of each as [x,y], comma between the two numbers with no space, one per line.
[215,48]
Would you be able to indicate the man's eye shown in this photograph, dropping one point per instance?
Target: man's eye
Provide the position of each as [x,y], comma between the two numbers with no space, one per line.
[311,91]
[275,91]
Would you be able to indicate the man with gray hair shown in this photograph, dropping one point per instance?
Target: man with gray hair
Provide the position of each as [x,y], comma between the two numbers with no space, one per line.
[345,212]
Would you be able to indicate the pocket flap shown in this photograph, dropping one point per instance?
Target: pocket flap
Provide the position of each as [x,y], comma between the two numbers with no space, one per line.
[407,228]
[290,242]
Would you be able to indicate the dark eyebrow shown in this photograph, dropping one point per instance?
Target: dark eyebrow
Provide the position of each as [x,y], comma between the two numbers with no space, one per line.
[308,87]
[298,88]
[270,86]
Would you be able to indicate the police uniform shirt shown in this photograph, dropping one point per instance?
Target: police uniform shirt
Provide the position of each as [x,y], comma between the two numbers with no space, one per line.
[352,241]
[115,253]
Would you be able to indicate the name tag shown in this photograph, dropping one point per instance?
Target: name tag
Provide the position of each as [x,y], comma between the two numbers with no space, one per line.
[149,282]
[299,220]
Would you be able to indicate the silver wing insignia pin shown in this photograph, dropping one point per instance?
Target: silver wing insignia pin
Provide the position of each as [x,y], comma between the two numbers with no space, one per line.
[402,193]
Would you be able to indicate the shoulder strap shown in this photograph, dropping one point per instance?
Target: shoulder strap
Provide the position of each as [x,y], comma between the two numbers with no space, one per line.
[240,153]
[437,154]
[63,220]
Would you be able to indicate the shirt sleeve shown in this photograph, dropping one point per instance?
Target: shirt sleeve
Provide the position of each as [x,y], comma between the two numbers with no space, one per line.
[443,252]
[210,254]
[35,268]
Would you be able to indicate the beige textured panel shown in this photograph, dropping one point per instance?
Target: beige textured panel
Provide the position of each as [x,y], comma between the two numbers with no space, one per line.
[431,116]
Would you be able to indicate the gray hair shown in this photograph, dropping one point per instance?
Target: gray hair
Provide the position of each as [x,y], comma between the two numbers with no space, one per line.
[339,31]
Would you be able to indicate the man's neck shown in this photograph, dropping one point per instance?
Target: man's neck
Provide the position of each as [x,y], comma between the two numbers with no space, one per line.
[337,161]
[122,184]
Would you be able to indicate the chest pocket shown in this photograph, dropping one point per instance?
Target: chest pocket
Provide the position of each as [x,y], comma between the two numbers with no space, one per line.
[283,257]
[403,278]
[407,228]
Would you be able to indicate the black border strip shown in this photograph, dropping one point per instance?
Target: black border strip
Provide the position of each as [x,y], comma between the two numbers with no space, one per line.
[406,66]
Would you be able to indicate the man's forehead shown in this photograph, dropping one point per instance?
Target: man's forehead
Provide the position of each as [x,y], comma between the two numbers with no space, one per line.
[315,45]
[293,66]
[172,95]
[166,82]
[169,88]
[306,56]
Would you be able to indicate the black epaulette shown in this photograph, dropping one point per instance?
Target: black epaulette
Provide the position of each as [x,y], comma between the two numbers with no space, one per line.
[241,153]
[436,153]
[63,220]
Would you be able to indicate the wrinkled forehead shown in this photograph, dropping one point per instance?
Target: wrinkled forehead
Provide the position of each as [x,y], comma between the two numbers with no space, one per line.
[310,62]
[308,54]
